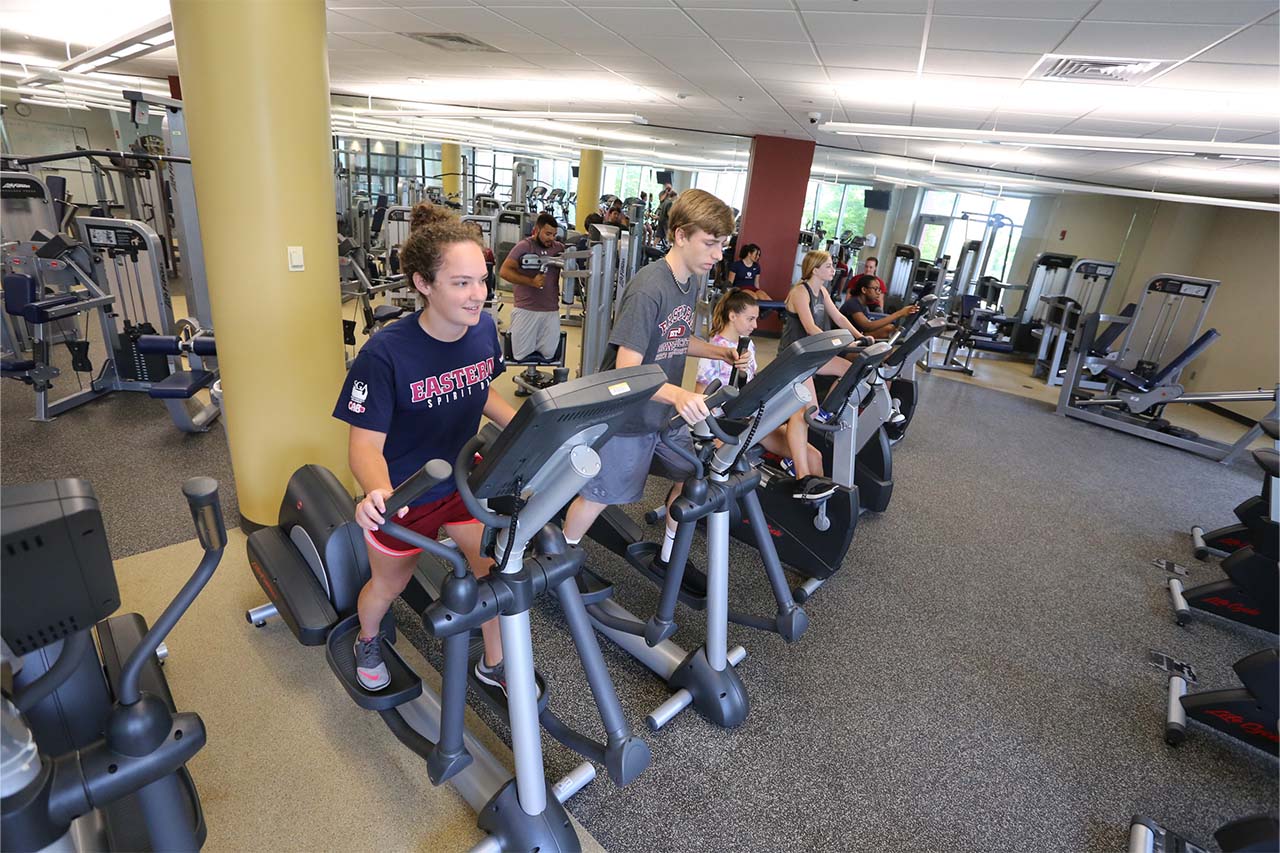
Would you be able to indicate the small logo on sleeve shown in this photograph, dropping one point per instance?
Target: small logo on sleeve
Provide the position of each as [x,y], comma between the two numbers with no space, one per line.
[359,393]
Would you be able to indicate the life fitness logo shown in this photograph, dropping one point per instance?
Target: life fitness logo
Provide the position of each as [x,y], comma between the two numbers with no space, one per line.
[1255,729]
[359,393]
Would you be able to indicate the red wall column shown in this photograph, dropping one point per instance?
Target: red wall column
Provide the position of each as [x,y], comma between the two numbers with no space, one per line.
[777,179]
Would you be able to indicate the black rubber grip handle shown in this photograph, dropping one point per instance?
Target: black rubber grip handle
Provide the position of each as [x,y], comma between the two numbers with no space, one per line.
[738,378]
[202,496]
[426,478]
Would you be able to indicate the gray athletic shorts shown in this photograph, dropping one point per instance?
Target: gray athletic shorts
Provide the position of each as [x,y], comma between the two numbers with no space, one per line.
[534,331]
[627,460]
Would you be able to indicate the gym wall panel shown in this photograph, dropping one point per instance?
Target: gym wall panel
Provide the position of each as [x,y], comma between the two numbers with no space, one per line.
[1240,248]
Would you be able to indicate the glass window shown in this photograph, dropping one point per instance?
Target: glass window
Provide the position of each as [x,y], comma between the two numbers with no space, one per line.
[938,202]
[827,208]
[810,200]
[853,218]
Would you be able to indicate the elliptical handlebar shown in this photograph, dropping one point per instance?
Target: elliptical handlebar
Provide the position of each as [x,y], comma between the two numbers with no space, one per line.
[206,512]
[461,471]
[423,480]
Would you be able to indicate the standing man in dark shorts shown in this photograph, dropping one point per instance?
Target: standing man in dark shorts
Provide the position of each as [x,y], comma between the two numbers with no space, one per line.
[535,320]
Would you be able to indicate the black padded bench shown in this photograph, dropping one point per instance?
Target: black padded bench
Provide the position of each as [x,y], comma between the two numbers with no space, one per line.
[1142,384]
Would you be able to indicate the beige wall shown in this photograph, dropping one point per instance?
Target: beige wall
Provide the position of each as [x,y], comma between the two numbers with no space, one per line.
[1173,246]
[1106,228]
[1240,249]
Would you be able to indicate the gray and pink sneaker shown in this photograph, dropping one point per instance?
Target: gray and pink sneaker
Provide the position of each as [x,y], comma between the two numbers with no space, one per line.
[371,672]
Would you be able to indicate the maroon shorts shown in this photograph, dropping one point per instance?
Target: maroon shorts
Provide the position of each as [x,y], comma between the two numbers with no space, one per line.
[426,519]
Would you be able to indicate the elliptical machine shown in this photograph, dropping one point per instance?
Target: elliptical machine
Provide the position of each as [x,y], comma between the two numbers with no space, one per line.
[314,563]
[706,678]
[94,751]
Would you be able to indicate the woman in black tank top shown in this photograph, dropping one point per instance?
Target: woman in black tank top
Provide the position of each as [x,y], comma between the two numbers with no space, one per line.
[810,310]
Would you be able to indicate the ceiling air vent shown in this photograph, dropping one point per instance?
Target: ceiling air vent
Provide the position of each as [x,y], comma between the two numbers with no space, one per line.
[1099,69]
[453,42]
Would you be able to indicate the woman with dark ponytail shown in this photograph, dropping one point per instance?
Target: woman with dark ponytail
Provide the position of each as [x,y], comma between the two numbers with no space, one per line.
[734,318]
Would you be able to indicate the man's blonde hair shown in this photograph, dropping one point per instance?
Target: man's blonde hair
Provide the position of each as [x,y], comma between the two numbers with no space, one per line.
[699,210]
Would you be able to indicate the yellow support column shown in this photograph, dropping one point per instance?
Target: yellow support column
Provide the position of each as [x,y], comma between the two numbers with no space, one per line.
[590,173]
[255,83]
[451,169]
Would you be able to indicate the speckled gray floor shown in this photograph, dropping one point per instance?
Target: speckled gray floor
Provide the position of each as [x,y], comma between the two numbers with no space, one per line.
[127,447]
[974,680]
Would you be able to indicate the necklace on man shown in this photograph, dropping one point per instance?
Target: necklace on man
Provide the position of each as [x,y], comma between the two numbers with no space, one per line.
[683,288]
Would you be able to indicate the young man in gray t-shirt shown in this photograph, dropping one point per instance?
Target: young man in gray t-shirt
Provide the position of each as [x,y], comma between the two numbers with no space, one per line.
[654,325]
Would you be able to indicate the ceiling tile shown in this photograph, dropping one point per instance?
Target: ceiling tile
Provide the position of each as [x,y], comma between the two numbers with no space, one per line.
[1143,41]
[471,20]
[678,50]
[752,25]
[869,56]
[1021,123]
[850,28]
[389,20]
[671,23]
[1272,138]
[978,63]
[1183,11]
[339,23]
[734,4]
[1222,77]
[947,119]
[905,7]
[1003,35]
[1066,10]
[525,43]
[562,60]
[1203,134]
[561,24]
[1104,127]
[779,71]
[1256,44]
[773,52]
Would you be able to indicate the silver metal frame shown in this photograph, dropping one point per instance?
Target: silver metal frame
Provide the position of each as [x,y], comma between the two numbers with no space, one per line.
[1118,410]
[1055,335]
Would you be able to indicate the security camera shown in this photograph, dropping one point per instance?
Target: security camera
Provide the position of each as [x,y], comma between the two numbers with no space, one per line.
[814,118]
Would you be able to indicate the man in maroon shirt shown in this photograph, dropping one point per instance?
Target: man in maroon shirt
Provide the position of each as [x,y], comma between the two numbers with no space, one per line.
[535,320]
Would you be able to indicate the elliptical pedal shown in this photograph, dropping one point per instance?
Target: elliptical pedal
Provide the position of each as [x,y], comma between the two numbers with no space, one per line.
[404,686]
[643,556]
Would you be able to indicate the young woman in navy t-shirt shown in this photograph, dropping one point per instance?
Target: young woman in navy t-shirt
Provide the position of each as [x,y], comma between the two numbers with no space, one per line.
[416,392]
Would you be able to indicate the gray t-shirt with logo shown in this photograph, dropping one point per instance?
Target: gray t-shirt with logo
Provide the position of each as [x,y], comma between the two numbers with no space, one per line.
[655,318]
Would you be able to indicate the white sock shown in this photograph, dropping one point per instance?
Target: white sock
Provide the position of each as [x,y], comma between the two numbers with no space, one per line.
[569,541]
[668,541]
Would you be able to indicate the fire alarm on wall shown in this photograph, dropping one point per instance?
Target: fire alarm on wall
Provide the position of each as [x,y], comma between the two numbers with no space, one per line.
[1062,235]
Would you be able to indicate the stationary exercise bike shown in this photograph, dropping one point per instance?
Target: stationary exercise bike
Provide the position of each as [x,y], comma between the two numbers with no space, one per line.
[94,751]
[1250,594]
[1257,520]
[313,564]
[813,537]
[1246,713]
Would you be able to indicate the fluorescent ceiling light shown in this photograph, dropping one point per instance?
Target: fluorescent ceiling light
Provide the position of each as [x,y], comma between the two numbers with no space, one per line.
[1139,145]
[1040,184]
[444,111]
[146,39]
[1244,175]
